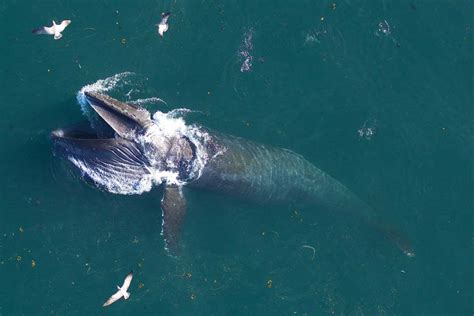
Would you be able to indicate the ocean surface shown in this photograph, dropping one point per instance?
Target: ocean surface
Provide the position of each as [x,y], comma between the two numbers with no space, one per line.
[377,94]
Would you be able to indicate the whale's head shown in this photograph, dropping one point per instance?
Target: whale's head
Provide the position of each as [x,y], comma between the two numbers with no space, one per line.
[123,150]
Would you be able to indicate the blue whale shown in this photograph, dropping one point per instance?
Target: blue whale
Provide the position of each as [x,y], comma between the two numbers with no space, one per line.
[127,151]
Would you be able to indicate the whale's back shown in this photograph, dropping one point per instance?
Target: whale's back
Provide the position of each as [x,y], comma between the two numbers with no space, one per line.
[266,174]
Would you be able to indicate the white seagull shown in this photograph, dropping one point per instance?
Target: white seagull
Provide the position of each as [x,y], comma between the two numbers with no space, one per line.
[54,29]
[163,25]
[122,291]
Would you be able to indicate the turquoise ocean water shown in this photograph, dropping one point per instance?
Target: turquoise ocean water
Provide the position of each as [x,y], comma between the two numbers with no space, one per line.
[376,93]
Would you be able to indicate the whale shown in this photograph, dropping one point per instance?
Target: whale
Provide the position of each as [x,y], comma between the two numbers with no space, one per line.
[127,150]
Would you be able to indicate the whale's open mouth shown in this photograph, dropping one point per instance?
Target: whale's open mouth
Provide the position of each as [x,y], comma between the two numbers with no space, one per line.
[117,122]
[83,130]
[106,151]
[115,119]
[124,150]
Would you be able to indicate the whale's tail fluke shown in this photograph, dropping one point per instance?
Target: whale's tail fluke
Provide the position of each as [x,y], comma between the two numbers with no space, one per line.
[378,222]
[339,197]
[396,236]
[391,232]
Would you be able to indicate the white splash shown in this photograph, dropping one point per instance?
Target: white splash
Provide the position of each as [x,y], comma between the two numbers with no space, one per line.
[101,86]
[168,125]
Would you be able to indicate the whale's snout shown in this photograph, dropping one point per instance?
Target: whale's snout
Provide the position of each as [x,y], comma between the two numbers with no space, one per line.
[123,118]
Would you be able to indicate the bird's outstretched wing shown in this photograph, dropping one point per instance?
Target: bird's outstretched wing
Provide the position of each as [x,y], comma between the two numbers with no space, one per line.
[62,26]
[113,298]
[164,17]
[127,281]
[43,30]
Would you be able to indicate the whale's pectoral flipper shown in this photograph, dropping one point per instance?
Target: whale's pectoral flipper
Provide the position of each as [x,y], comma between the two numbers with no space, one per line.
[173,206]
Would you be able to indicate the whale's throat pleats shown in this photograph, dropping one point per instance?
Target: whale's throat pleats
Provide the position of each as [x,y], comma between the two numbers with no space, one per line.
[116,165]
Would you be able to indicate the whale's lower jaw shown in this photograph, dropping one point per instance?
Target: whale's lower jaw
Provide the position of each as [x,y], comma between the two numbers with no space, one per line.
[112,164]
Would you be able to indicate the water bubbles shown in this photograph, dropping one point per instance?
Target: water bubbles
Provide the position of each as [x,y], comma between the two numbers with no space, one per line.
[247,61]
[366,132]
[368,129]
[245,51]
[383,29]
[314,37]
[311,38]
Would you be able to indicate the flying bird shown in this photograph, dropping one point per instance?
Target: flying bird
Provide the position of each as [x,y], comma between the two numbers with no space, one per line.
[54,29]
[122,290]
[163,25]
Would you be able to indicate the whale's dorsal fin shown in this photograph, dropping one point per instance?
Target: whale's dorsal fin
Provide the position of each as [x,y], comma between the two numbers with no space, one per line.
[173,206]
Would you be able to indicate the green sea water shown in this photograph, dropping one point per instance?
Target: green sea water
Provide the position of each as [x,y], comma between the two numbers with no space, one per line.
[377,94]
